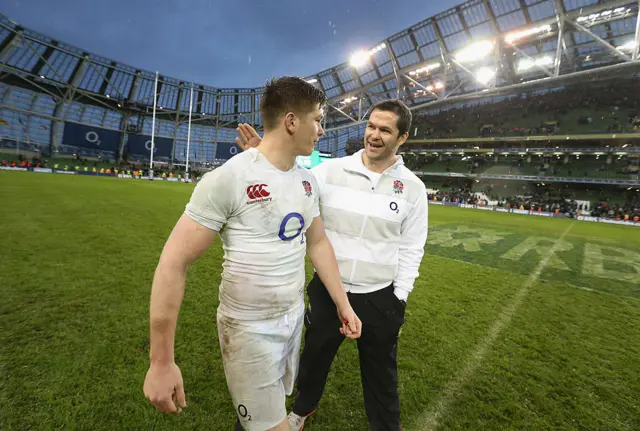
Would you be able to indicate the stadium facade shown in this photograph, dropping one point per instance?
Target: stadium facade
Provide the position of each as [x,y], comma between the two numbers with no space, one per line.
[59,99]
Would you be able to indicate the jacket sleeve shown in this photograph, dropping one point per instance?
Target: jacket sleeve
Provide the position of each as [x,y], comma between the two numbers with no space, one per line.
[413,233]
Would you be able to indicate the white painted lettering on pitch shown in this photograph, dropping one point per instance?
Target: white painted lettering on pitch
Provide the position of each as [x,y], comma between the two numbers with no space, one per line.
[542,246]
[595,255]
[469,238]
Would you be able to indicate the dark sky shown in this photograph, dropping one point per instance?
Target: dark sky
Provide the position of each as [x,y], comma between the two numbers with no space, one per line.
[223,43]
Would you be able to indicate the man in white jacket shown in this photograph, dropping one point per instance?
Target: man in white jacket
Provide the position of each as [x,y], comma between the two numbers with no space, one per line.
[376,216]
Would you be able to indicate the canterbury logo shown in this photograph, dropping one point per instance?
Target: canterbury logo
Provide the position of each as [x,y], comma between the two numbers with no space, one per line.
[257,191]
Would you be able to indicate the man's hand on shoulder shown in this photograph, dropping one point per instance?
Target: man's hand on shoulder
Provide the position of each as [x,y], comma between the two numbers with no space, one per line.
[247,137]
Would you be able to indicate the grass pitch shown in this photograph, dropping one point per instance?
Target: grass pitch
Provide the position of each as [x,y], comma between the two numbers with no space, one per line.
[511,325]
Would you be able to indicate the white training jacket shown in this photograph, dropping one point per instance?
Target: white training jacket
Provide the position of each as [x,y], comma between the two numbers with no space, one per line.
[378,229]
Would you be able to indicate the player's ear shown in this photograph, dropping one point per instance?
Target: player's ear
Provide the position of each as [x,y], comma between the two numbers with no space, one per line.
[290,122]
[402,138]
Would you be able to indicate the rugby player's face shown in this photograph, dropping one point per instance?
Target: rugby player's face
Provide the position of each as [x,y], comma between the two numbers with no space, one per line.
[310,131]
[381,140]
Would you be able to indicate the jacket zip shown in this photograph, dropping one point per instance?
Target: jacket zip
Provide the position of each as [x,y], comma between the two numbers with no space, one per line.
[366,217]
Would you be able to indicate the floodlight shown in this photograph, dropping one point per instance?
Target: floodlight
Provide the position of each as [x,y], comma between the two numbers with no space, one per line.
[426,69]
[484,75]
[604,14]
[512,37]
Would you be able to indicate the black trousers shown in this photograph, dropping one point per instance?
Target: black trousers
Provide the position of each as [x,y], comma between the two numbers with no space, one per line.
[382,316]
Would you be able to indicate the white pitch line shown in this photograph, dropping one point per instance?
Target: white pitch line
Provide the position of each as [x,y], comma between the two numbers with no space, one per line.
[431,419]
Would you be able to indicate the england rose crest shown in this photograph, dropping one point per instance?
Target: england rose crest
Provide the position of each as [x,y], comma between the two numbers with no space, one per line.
[307,188]
[398,186]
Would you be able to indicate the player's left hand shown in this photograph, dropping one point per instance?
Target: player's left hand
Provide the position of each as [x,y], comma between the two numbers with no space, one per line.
[351,324]
[248,137]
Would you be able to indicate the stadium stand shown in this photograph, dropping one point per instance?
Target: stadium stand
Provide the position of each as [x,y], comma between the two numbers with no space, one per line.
[507,96]
[599,107]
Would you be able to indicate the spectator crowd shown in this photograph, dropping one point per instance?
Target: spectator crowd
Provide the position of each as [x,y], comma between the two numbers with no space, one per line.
[547,200]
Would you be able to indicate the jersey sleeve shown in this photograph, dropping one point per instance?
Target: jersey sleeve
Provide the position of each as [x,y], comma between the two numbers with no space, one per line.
[213,199]
[320,173]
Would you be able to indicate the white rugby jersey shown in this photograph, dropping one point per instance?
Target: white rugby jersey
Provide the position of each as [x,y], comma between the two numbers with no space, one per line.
[377,226]
[262,215]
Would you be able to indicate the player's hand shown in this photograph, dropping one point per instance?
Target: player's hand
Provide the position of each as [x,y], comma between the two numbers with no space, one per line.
[248,137]
[163,387]
[351,324]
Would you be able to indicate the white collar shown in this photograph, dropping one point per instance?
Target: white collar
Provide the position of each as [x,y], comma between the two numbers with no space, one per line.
[357,165]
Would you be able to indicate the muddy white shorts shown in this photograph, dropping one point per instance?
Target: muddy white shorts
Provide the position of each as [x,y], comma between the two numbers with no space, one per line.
[260,360]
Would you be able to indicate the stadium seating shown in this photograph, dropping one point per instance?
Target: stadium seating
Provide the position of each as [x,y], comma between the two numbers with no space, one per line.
[596,107]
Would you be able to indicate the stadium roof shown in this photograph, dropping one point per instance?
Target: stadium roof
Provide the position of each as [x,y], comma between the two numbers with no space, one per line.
[478,47]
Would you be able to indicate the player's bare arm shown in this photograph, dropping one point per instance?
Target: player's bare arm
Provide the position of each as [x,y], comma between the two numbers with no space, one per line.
[163,384]
[323,258]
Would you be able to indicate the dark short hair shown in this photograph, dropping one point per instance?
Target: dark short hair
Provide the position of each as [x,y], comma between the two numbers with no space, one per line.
[399,108]
[288,94]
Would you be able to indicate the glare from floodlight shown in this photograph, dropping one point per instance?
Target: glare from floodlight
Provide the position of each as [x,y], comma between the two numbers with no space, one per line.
[439,85]
[426,69]
[484,75]
[627,46]
[526,63]
[475,51]
[360,58]
[348,100]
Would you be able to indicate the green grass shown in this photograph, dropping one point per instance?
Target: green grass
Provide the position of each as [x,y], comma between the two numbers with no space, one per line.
[78,255]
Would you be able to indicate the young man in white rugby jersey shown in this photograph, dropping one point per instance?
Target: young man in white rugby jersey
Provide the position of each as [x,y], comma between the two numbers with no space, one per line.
[265,209]
[375,213]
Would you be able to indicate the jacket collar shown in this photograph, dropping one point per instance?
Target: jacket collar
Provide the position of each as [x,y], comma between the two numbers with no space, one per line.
[355,164]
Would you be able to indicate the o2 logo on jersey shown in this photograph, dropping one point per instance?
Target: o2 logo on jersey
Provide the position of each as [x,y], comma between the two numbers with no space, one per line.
[283,228]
